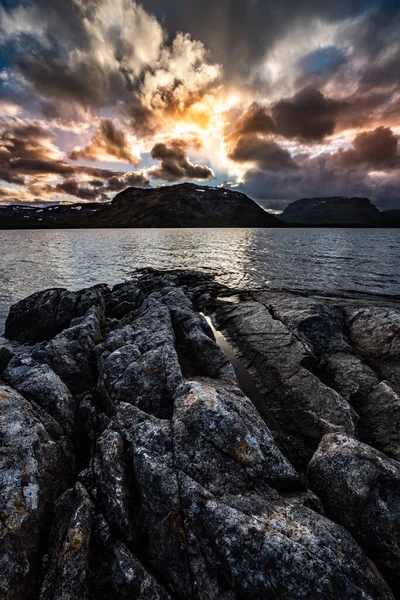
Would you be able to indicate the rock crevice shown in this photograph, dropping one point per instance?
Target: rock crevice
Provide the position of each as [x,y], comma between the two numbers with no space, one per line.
[133,465]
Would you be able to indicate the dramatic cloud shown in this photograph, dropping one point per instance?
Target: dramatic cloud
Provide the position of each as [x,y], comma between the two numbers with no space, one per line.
[266,154]
[175,165]
[256,119]
[370,169]
[285,100]
[376,148]
[308,116]
[109,142]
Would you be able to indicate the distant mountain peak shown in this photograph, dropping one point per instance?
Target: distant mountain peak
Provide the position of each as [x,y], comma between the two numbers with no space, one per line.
[181,205]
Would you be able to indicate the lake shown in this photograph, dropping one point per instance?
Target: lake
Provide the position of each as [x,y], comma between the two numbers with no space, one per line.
[364,260]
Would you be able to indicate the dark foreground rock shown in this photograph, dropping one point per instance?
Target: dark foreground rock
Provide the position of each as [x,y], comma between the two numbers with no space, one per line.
[133,465]
[360,488]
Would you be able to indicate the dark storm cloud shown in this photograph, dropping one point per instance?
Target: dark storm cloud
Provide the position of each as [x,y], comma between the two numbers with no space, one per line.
[345,173]
[28,140]
[28,152]
[376,148]
[108,140]
[267,154]
[256,119]
[74,188]
[175,165]
[240,32]
[307,116]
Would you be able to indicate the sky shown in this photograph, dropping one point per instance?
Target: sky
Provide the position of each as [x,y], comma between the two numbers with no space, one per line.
[280,100]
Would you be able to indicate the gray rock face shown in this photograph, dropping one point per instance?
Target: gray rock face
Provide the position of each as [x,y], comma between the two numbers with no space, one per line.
[376,335]
[68,559]
[133,466]
[32,470]
[125,577]
[44,314]
[69,353]
[360,488]
[39,383]
[139,363]
[280,361]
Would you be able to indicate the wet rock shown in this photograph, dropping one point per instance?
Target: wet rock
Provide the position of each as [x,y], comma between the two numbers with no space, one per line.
[44,314]
[304,407]
[38,382]
[68,560]
[32,470]
[122,576]
[70,353]
[360,488]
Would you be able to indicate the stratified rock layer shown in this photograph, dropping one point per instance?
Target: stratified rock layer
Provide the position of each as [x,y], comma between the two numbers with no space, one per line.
[133,465]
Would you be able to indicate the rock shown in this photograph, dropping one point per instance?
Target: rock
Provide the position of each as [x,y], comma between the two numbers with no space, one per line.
[375,333]
[114,483]
[32,470]
[124,299]
[360,488]
[122,576]
[34,318]
[198,353]
[234,450]
[348,375]
[320,324]
[39,383]
[135,467]
[288,551]
[70,353]
[304,407]
[68,560]
[5,356]
[380,420]
[44,314]
[139,363]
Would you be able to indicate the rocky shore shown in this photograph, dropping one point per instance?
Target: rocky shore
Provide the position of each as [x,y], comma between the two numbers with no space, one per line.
[132,465]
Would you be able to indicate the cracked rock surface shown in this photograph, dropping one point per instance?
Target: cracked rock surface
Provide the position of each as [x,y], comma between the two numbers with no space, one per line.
[132,465]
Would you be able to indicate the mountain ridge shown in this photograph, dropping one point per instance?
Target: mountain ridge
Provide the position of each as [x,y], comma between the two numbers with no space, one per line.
[182,205]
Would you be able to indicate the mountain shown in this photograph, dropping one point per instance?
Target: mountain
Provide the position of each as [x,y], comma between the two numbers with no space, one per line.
[391,218]
[336,210]
[183,205]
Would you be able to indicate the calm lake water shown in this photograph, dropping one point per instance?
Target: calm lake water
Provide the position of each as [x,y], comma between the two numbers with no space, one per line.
[366,260]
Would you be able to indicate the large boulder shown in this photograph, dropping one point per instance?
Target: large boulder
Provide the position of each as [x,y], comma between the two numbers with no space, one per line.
[39,383]
[360,488]
[375,333]
[42,315]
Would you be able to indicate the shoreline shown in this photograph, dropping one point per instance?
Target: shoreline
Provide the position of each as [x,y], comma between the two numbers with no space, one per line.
[151,460]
